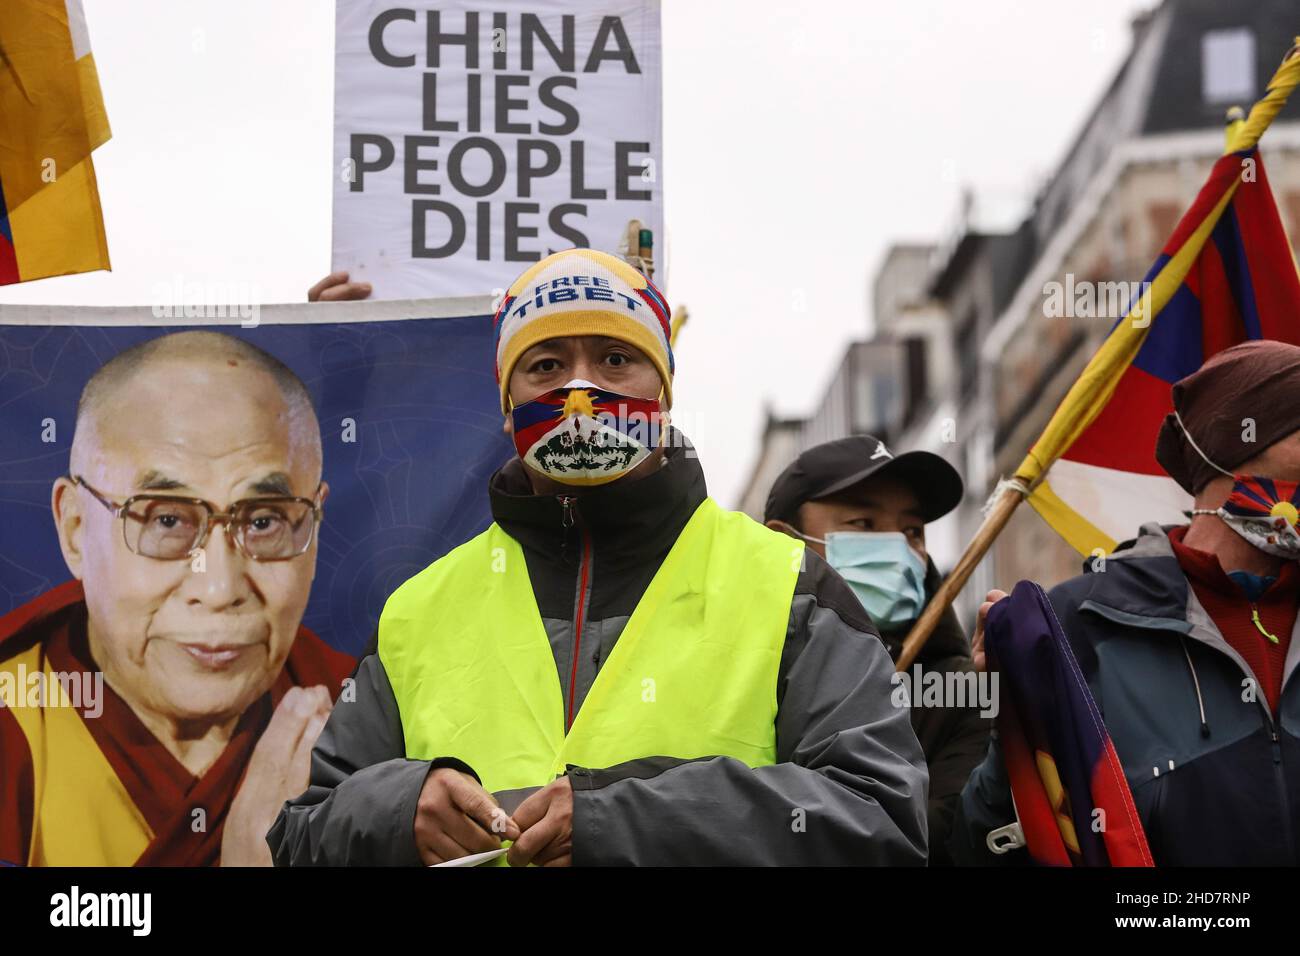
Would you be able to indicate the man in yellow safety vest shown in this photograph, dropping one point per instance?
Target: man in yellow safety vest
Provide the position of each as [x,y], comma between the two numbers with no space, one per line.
[617,671]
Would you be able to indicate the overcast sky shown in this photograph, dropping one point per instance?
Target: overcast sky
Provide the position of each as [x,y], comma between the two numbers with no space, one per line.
[800,140]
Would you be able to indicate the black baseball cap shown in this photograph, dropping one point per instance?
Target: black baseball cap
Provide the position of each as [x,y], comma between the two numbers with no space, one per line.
[836,465]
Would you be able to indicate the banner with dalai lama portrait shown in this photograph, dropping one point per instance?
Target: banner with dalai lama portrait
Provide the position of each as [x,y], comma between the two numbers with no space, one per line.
[202,519]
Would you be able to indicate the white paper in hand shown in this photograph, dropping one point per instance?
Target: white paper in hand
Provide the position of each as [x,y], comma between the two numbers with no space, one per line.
[474,859]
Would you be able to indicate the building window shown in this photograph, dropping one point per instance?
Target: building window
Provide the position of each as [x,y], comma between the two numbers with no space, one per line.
[968,359]
[1163,217]
[1228,66]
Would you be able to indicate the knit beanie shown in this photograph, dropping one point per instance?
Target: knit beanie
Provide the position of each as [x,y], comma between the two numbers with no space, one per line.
[1256,381]
[582,292]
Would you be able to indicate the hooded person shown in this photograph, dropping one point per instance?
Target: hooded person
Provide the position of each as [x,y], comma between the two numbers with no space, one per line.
[617,671]
[865,509]
[1187,637]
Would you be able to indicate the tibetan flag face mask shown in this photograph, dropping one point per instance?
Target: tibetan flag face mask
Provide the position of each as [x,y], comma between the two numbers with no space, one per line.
[1264,512]
[583,435]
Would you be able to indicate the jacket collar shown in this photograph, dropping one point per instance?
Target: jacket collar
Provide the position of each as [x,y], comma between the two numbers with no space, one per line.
[628,521]
[1144,586]
[1142,578]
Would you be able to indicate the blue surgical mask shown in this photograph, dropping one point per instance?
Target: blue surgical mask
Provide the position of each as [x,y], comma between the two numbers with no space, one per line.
[884,571]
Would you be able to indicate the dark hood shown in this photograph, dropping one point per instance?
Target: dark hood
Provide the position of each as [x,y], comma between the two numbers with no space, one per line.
[1142,577]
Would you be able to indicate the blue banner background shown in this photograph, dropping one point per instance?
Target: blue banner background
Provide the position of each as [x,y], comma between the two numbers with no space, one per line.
[411,487]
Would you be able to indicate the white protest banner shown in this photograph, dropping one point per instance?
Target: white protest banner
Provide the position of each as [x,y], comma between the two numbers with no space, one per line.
[471,137]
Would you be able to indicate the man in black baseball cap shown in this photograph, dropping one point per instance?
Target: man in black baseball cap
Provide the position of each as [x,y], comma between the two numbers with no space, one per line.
[864,510]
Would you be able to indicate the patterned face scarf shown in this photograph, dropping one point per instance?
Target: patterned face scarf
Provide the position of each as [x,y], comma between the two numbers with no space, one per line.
[1264,511]
[581,434]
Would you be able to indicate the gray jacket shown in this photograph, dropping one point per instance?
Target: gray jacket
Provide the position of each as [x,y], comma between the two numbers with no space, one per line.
[850,783]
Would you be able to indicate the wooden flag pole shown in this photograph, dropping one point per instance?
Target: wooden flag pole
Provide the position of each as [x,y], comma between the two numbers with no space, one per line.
[999,513]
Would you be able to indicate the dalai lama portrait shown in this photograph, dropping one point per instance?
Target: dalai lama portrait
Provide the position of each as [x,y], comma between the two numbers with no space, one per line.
[188,521]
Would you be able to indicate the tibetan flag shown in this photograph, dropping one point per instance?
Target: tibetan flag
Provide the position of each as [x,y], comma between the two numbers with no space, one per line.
[1071,797]
[51,119]
[1226,275]
[1261,497]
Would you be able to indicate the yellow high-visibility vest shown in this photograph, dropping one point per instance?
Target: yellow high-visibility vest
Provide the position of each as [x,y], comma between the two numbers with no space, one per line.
[693,673]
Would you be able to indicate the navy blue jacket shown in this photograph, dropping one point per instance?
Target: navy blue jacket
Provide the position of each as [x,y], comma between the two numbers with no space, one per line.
[1215,777]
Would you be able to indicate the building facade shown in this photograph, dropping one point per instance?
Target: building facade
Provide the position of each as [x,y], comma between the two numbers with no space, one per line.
[970,333]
